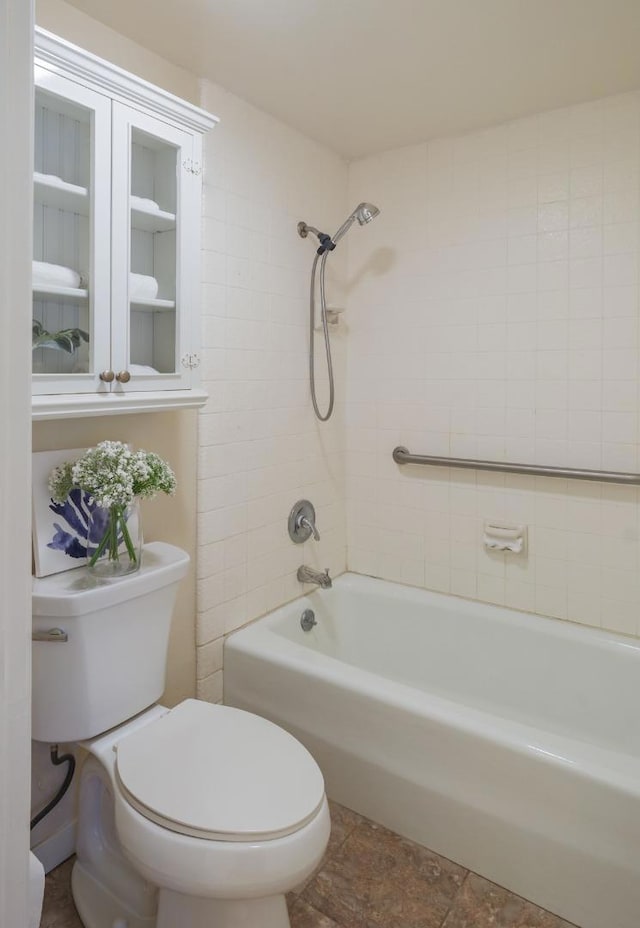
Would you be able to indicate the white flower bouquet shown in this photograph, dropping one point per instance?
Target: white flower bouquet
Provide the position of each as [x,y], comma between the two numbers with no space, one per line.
[114,478]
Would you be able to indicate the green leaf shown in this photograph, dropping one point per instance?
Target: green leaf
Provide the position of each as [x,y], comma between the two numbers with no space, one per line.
[64,340]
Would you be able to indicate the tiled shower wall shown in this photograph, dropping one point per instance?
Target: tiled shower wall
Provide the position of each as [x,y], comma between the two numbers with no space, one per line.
[493,313]
[260,446]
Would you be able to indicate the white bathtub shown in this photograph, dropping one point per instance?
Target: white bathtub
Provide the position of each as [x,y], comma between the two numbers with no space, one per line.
[504,741]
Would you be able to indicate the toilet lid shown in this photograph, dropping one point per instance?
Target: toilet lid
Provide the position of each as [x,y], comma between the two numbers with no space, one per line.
[219,773]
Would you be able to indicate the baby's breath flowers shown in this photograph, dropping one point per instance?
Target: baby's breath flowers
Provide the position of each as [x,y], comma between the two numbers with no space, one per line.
[113,476]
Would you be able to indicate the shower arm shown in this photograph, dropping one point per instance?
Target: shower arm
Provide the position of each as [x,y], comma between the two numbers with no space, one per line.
[304,229]
[364,213]
[326,242]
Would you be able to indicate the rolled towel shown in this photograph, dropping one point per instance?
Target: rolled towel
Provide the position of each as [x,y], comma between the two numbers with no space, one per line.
[55,275]
[142,287]
[144,204]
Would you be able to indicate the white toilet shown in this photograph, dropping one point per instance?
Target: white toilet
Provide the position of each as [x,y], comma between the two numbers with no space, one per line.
[200,816]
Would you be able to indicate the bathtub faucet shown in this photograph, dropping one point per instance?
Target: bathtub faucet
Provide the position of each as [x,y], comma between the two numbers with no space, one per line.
[309,575]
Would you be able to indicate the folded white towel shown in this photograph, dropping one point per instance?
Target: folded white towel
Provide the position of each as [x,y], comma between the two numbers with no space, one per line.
[142,369]
[56,275]
[144,203]
[142,287]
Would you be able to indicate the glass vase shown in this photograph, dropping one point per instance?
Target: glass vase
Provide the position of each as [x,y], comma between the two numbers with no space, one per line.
[114,541]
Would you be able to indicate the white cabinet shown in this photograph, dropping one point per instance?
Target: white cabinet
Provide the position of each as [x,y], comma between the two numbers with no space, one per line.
[117,186]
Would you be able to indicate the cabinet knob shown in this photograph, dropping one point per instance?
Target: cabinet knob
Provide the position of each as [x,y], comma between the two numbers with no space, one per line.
[123,377]
[107,376]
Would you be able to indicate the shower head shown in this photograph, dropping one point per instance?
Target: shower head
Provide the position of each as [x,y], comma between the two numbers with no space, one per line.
[364,213]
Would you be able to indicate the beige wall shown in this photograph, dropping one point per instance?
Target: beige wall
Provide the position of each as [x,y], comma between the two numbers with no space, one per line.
[58,17]
[172,435]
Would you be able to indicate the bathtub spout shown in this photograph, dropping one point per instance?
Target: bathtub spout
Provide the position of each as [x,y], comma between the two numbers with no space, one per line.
[308,575]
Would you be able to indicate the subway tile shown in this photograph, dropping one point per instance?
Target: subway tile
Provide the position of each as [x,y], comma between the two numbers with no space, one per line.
[551,601]
[553,187]
[553,217]
[209,658]
[519,595]
[619,616]
[463,582]
[584,608]
[491,589]
[621,176]
[585,212]
[553,246]
[209,689]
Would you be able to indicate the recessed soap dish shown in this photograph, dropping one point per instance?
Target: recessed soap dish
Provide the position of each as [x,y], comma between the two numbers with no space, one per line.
[504,536]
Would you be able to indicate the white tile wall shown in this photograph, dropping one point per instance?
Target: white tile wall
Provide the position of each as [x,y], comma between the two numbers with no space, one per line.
[493,313]
[261,448]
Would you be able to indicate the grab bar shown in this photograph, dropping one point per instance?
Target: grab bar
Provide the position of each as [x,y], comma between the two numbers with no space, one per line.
[404,456]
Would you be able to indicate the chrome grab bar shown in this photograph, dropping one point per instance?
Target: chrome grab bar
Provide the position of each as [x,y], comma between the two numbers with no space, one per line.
[402,455]
[56,635]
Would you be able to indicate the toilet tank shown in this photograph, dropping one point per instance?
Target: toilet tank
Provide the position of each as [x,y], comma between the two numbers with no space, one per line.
[113,663]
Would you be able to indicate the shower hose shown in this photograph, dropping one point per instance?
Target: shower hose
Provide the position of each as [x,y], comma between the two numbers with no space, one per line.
[325,329]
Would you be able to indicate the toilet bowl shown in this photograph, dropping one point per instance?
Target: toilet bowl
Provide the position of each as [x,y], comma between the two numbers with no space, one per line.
[200,816]
[220,810]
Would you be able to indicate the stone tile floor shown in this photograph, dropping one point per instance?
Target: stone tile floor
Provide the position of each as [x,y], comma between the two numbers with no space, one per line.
[370,878]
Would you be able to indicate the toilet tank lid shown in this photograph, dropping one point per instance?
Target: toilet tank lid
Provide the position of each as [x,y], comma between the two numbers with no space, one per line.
[77,592]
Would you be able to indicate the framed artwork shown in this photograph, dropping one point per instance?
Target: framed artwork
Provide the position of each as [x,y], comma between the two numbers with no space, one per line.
[59,529]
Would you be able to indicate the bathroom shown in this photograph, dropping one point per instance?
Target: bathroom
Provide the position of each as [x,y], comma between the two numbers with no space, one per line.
[491,313]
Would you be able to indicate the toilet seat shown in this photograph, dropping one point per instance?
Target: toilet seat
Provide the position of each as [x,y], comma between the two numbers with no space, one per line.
[219,773]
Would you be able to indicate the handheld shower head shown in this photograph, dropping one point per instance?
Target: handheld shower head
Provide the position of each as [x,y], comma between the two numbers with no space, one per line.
[364,213]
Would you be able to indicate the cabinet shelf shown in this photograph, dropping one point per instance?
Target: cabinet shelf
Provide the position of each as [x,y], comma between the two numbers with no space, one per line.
[60,294]
[151,306]
[152,220]
[56,193]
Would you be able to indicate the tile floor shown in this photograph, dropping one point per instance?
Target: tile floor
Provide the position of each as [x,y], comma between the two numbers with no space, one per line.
[371,878]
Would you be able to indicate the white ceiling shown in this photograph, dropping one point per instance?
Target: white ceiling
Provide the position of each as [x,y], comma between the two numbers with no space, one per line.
[362,76]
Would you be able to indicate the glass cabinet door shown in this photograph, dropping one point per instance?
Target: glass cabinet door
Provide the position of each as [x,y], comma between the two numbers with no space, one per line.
[154,207]
[72,197]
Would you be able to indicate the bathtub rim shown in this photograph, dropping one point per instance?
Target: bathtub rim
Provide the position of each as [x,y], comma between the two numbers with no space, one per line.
[561,628]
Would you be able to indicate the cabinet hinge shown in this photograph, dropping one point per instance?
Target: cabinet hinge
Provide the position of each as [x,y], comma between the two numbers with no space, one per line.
[190,361]
[192,167]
